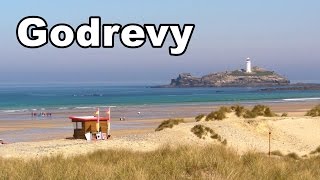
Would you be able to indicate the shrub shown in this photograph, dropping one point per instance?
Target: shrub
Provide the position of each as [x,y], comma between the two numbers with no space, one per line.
[314,112]
[199,117]
[169,124]
[284,114]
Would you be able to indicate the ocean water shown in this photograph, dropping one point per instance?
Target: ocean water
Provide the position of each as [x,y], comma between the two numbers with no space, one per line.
[132,102]
[63,97]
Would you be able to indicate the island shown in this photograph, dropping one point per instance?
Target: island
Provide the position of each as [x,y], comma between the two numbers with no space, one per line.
[249,77]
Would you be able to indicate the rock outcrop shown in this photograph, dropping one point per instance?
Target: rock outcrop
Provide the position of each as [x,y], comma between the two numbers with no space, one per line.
[239,78]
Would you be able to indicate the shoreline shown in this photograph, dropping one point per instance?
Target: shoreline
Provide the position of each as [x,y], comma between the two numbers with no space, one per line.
[22,130]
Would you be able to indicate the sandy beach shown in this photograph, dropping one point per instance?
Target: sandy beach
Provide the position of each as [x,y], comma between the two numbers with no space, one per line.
[295,133]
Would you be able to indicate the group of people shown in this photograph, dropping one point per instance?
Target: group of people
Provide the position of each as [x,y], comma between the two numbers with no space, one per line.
[41,114]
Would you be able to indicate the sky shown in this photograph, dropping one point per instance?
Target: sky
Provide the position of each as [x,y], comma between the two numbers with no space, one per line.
[283,36]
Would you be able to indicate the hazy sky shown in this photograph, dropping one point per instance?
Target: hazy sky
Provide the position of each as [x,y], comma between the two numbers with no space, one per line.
[280,35]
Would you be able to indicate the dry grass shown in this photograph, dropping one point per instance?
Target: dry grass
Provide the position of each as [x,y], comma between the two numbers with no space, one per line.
[219,114]
[316,150]
[257,110]
[211,162]
[314,112]
[239,110]
[199,117]
[276,153]
[169,124]
[202,131]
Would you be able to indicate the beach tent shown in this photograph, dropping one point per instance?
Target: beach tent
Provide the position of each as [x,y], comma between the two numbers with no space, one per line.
[88,124]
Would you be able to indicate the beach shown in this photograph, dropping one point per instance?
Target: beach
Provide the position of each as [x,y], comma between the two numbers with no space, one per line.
[295,133]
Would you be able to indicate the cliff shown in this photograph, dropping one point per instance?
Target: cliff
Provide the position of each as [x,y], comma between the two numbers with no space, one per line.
[239,78]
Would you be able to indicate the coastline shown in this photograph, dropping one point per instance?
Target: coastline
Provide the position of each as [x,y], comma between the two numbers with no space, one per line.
[40,129]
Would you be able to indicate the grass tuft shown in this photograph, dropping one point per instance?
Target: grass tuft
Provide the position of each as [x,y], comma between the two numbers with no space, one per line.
[202,131]
[293,156]
[276,153]
[219,114]
[169,124]
[199,117]
[316,150]
[314,112]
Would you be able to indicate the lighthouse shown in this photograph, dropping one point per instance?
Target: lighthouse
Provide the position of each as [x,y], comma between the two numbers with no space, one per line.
[248,61]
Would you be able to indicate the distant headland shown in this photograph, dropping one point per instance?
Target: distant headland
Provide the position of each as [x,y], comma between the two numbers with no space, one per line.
[249,77]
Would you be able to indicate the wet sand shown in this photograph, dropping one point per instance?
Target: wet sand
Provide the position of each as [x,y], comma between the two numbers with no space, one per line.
[39,129]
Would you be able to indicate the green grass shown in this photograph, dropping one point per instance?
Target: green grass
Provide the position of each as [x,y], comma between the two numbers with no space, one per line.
[192,162]
[314,112]
[169,124]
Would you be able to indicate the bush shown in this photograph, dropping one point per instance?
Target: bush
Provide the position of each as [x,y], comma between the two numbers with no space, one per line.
[284,114]
[314,112]
[199,117]
[169,124]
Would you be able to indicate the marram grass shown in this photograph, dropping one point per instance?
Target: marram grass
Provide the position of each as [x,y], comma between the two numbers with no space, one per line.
[211,162]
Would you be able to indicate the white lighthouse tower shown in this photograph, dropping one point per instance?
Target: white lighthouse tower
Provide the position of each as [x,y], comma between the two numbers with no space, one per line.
[248,70]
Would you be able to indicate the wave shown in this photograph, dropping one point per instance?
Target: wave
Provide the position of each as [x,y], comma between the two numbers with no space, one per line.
[84,107]
[302,99]
[14,110]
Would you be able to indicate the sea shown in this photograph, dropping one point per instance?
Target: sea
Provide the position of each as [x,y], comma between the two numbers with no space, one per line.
[19,102]
[32,98]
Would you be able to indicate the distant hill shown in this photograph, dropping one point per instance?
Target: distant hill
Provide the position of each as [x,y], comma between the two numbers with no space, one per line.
[259,77]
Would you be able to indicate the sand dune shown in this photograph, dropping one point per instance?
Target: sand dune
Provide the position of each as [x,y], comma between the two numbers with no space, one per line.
[289,134]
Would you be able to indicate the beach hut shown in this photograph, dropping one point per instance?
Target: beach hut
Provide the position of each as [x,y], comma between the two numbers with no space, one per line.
[88,124]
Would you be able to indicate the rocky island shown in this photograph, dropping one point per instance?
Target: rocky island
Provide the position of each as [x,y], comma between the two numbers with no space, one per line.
[251,77]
